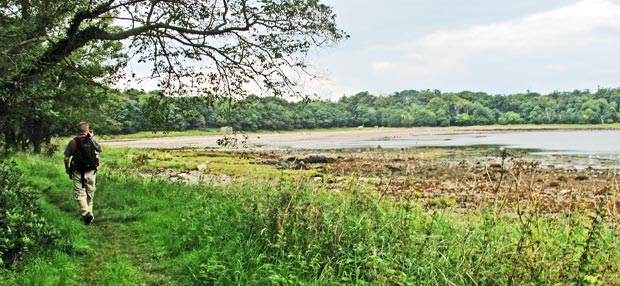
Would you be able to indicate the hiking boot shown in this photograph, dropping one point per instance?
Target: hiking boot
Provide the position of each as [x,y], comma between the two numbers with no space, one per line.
[88,218]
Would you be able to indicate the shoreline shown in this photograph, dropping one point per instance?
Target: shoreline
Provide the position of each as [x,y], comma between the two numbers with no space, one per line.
[284,140]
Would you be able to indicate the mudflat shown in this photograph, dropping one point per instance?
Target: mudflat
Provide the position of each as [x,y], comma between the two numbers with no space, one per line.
[433,177]
[280,140]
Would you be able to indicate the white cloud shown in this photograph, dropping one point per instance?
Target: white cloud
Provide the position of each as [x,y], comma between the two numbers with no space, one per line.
[520,53]
[328,89]
[383,67]
[551,29]
[415,57]
[556,67]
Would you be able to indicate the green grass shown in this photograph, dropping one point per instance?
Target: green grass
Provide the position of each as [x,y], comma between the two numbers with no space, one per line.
[215,162]
[159,134]
[206,132]
[291,231]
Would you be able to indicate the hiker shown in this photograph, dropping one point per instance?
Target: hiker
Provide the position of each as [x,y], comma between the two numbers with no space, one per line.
[81,161]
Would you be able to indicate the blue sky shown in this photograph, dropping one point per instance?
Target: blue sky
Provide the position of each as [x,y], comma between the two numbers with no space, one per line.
[499,47]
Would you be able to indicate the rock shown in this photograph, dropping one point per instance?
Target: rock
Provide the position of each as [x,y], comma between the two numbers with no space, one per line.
[267,162]
[225,179]
[314,159]
[202,167]
[299,166]
[393,169]
[581,178]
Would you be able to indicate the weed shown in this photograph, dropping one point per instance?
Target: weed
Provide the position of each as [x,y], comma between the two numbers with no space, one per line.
[293,231]
[22,228]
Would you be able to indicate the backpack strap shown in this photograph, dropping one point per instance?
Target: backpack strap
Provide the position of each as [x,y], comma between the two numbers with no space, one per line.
[74,143]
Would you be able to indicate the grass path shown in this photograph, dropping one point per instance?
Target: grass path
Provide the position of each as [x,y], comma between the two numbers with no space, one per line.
[111,251]
[117,244]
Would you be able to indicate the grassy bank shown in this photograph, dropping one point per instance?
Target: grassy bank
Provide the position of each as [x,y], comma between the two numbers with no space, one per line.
[211,131]
[285,229]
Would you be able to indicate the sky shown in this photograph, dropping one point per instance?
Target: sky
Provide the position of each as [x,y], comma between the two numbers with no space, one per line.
[497,47]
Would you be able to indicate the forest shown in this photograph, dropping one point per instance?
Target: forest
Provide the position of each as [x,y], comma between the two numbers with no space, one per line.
[134,111]
[131,111]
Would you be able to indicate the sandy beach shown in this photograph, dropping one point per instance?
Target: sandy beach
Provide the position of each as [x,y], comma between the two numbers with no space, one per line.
[281,140]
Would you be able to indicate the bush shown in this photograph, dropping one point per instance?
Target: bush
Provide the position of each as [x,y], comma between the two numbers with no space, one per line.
[21,226]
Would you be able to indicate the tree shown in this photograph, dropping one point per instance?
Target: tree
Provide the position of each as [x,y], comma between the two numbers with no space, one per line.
[58,99]
[593,111]
[156,111]
[211,47]
[536,115]
[441,110]
[510,118]
[423,117]
[462,119]
[365,116]
[482,115]
[126,111]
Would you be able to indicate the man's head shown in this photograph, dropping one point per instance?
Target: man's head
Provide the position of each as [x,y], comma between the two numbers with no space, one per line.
[83,128]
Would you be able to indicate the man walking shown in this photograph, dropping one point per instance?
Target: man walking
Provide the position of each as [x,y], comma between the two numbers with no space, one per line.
[81,161]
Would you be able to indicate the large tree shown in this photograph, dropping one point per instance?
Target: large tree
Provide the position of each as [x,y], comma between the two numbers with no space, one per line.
[209,47]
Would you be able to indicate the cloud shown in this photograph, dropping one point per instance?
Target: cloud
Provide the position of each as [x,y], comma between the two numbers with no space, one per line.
[504,55]
[328,89]
[383,67]
[556,67]
[551,29]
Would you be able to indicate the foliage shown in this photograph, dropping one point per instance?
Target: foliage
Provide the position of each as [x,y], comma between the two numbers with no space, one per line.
[58,57]
[22,228]
[151,111]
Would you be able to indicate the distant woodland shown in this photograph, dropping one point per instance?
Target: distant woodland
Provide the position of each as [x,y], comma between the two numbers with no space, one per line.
[133,111]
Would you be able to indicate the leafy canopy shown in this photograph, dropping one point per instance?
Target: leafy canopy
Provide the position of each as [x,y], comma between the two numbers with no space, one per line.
[216,47]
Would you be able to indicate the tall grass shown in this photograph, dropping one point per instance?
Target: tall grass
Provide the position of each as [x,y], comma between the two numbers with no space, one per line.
[149,231]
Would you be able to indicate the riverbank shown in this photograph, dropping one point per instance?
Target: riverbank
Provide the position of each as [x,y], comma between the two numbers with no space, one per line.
[389,216]
[283,140]
[464,179]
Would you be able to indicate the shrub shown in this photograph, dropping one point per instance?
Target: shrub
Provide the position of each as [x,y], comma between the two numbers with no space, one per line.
[21,226]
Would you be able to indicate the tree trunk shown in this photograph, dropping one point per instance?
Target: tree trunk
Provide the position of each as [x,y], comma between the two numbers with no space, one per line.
[10,138]
[36,135]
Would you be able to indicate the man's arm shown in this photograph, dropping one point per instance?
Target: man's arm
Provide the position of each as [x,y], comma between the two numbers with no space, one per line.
[68,152]
[97,145]
[67,169]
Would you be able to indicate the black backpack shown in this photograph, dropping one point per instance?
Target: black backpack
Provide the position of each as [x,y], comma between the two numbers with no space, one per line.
[84,156]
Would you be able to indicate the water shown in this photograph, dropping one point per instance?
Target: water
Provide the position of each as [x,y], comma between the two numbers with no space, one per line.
[604,142]
[579,149]
[589,142]
[576,149]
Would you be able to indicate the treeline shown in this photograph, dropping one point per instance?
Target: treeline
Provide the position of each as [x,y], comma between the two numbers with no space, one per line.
[134,111]
[123,112]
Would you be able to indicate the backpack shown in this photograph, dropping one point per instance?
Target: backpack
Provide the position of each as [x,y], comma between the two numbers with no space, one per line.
[84,156]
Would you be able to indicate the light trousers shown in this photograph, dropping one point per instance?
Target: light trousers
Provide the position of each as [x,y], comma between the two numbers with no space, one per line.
[84,192]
